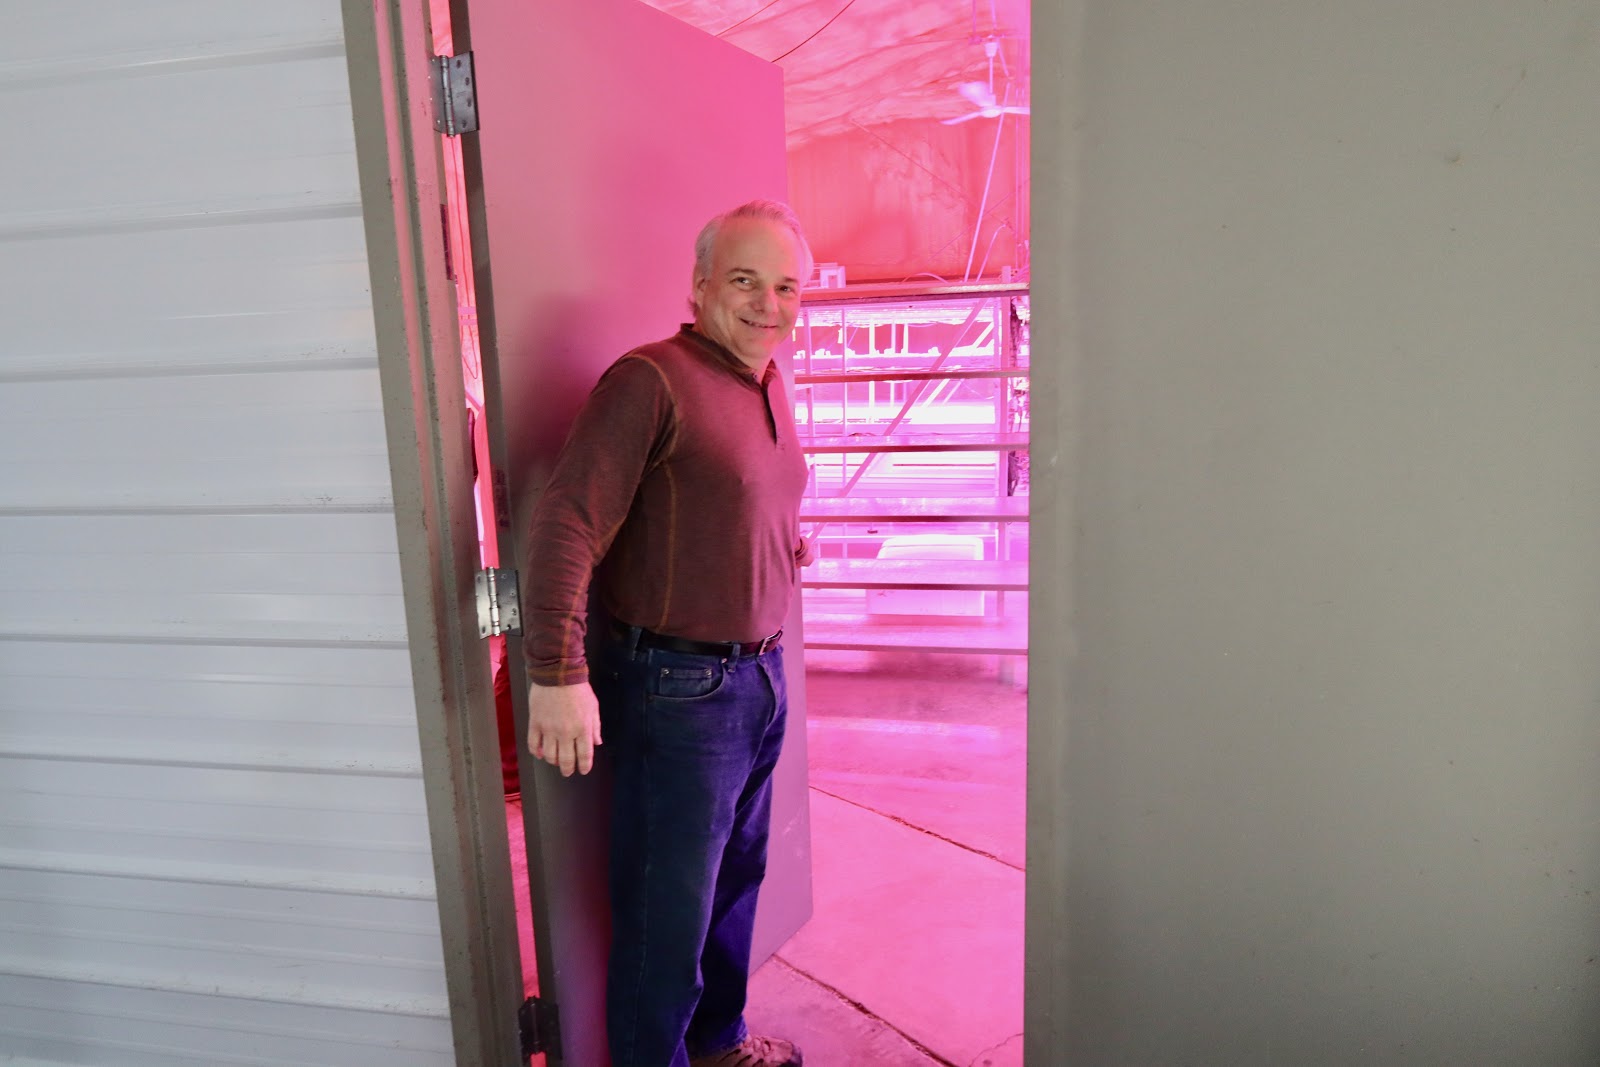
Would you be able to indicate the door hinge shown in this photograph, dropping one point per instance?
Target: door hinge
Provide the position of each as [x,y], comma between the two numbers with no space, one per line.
[499,609]
[455,96]
[540,1027]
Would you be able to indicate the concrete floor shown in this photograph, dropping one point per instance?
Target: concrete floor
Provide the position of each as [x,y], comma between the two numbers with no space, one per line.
[913,956]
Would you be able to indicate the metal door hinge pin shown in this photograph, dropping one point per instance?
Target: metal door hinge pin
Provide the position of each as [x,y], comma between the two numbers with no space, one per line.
[455,96]
[540,1027]
[499,607]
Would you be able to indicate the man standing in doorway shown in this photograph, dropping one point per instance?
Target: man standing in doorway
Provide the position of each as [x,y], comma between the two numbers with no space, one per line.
[678,493]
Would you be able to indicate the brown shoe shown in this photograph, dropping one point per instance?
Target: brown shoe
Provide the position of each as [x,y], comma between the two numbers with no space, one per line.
[754,1052]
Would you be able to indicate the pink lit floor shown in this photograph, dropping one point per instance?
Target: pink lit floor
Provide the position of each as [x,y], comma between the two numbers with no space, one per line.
[913,957]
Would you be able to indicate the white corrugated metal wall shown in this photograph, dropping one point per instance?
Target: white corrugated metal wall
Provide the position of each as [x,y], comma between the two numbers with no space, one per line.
[213,844]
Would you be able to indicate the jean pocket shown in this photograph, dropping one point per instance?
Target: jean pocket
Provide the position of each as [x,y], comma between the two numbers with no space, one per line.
[686,683]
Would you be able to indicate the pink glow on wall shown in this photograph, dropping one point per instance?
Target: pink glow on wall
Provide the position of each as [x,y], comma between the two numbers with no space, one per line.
[898,202]
[886,188]
[458,250]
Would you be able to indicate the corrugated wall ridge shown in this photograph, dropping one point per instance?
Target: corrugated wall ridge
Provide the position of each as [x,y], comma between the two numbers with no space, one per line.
[213,841]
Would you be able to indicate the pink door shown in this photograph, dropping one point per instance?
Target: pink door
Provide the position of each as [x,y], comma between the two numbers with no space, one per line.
[610,133]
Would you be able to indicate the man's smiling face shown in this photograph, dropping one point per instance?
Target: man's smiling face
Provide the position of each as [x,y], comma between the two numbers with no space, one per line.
[749,300]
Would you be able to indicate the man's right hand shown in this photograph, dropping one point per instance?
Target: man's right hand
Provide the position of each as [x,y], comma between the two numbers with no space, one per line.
[564,726]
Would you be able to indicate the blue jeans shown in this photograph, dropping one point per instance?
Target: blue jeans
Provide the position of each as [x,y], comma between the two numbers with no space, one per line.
[694,740]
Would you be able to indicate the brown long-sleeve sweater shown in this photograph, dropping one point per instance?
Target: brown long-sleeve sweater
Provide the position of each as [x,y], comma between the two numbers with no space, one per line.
[678,488]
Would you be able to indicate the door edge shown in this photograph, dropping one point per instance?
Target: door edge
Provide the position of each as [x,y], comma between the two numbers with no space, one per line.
[389,46]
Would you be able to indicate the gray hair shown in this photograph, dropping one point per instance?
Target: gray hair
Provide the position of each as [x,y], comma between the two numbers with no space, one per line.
[771,211]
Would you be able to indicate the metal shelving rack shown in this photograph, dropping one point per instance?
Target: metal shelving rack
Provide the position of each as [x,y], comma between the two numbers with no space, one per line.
[899,392]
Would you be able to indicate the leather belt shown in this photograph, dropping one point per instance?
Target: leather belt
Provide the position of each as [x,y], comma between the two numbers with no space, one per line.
[667,643]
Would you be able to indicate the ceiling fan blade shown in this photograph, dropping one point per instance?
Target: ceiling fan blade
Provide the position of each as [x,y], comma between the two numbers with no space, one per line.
[978,94]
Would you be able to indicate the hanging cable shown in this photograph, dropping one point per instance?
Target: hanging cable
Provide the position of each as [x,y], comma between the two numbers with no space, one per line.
[747,18]
[999,125]
[808,40]
[1005,225]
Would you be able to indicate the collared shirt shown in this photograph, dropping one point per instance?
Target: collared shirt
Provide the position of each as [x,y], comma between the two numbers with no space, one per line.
[678,489]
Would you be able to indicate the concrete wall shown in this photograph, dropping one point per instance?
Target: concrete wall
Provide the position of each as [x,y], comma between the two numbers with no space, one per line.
[1325,436]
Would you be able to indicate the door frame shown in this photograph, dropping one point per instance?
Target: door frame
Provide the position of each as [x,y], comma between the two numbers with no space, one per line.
[1054,150]
[389,45]
[429,451]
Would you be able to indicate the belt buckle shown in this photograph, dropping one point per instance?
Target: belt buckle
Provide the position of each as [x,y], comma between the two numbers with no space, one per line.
[768,644]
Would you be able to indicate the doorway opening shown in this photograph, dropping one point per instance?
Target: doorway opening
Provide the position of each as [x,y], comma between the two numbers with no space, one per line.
[915,685]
